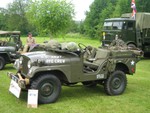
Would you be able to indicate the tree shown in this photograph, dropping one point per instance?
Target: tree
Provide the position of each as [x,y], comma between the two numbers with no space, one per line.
[122,6]
[142,5]
[3,17]
[50,16]
[105,13]
[15,16]
[99,10]
[74,27]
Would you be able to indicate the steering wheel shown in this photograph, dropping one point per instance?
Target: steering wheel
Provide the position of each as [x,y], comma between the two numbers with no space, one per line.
[84,48]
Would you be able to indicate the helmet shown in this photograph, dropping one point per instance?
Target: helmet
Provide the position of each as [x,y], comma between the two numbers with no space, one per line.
[72,46]
[54,44]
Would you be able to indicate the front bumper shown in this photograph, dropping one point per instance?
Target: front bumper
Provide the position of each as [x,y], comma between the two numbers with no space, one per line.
[19,80]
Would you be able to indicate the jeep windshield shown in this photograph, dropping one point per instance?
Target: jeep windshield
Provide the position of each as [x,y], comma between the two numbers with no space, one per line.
[113,25]
[9,35]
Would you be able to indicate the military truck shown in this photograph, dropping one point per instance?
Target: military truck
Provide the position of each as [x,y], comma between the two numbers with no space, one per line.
[48,70]
[135,32]
[9,44]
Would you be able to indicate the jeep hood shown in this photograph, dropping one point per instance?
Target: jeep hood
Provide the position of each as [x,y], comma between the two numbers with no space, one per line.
[7,49]
[42,55]
[36,54]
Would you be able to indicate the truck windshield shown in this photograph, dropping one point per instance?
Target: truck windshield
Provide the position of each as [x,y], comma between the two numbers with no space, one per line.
[113,25]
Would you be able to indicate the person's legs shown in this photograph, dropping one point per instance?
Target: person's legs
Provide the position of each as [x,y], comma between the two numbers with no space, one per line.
[25,49]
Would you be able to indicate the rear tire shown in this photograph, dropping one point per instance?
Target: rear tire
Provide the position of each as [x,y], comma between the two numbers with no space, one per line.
[116,83]
[2,63]
[147,55]
[49,87]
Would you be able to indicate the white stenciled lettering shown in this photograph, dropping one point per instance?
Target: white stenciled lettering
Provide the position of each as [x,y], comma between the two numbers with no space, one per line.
[55,57]
[100,76]
[59,61]
[55,61]
[51,57]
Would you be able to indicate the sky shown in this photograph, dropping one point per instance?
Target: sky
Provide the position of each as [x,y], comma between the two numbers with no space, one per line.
[81,6]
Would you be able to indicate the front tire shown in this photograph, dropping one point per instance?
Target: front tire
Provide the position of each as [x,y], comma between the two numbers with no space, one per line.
[2,63]
[49,87]
[116,83]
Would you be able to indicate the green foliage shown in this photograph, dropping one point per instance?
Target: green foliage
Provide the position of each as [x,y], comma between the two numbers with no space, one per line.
[50,16]
[92,17]
[99,10]
[40,17]
[74,27]
[2,19]
[123,6]
[14,16]
[142,5]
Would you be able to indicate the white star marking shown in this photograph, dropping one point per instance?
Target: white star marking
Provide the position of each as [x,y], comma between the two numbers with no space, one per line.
[132,62]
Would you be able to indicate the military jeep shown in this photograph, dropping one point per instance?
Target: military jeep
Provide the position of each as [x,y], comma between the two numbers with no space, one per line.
[9,44]
[48,70]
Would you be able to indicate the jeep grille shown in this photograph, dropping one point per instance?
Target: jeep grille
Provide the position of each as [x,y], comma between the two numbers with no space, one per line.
[25,66]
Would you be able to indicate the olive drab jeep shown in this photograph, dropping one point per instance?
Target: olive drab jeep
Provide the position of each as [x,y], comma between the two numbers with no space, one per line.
[69,63]
[10,42]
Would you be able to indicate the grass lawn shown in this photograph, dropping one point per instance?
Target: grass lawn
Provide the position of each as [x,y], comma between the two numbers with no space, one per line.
[79,99]
[68,38]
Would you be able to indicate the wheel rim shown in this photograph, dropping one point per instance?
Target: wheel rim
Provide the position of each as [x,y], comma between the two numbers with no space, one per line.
[47,89]
[116,83]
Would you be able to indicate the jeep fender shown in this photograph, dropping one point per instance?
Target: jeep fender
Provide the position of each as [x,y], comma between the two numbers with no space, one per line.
[60,73]
[122,67]
[116,65]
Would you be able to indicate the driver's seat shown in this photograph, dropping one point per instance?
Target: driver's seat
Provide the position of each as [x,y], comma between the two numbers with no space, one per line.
[94,63]
[89,53]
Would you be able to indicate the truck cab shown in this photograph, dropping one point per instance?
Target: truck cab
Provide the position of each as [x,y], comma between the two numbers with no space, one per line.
[123,27]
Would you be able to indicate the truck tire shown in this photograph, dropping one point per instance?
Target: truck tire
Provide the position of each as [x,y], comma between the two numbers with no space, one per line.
[49,87]
[2,63]
[116,83]
[132,45]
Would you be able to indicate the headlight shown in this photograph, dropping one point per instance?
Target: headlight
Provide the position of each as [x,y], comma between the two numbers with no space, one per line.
[29,64]
[20,60]
[17,64]
[104,34]
[30,71]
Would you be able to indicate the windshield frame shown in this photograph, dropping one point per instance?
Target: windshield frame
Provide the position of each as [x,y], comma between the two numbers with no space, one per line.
[113,25]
